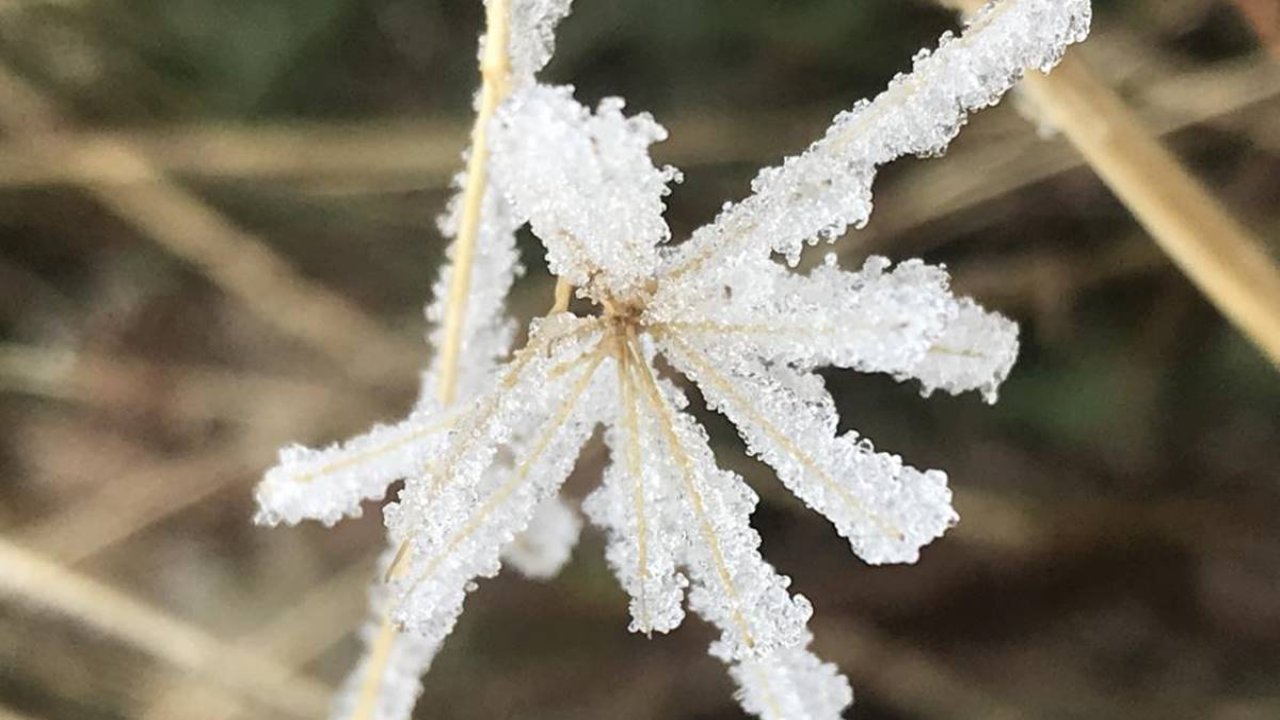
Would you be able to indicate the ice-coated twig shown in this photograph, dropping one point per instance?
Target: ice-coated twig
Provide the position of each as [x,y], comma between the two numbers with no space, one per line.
[471,335]
[748,331]
[821,192]
[792,684]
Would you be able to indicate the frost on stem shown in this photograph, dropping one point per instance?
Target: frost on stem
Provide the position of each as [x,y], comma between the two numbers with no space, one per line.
[821,192]
[791,684]
[331,483]
[607,207]
[634,504]
[533,38]
[543,548]
[887,510]
[732,585]
[723,312]
[408,657]
[456,519]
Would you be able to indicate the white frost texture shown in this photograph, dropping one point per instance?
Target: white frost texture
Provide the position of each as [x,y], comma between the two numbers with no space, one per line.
[330,483]
[791,684]
[726,311]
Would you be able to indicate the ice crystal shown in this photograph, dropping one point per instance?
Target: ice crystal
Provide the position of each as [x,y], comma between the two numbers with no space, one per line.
[721,309]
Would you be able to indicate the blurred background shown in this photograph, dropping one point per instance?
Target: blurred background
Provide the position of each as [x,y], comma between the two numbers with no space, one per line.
[217,232]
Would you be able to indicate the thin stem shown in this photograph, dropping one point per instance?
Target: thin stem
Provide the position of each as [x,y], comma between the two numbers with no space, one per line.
[632,425]
[641,369]
[564,294]
[494,69]
[545,437]
[789,446]
[736,224]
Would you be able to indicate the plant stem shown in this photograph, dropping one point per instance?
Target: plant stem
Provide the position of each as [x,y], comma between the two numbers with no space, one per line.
[494,71]
[495,67]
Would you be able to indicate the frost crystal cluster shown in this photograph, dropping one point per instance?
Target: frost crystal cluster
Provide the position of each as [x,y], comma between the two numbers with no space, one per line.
[483,474]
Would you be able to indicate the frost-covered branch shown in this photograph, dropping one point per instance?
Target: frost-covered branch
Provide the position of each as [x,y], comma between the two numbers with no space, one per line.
[747,330]
[823,191]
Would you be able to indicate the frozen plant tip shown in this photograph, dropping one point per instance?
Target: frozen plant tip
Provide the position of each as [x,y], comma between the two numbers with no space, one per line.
[725,313]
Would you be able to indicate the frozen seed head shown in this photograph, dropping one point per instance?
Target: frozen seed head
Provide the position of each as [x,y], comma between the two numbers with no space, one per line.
[724,313]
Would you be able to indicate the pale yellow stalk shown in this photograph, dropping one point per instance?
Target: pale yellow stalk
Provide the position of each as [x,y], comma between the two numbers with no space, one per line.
[495,68]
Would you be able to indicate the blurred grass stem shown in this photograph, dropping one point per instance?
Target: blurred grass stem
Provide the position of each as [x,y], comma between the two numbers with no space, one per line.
[45,585]
[1225,261]
[239,262]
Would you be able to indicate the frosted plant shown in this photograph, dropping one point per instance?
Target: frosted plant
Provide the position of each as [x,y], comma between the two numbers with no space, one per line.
[748,330]
[330,483]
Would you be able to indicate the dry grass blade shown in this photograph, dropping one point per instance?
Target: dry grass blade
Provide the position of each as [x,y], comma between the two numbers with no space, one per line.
[237,261]
[495,67]
[297,635]
[423,154]
[1230,266]
[122,507]
[44,585]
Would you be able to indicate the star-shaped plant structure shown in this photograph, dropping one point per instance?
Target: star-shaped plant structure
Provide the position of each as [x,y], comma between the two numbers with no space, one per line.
[720,309]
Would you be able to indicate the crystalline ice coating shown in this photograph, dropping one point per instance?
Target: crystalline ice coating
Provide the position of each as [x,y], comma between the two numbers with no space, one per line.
[635,504]
[545,545]
[886,509]
[457,519]
[487,331]
[828,187]
[328,484]
[586,184]
[875,320]
[532,32]
[721,310]
[732,585]
[792,684]
[361,468]
[976,351]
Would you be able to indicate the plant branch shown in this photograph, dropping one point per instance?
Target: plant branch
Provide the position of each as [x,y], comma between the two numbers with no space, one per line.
[494,71]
